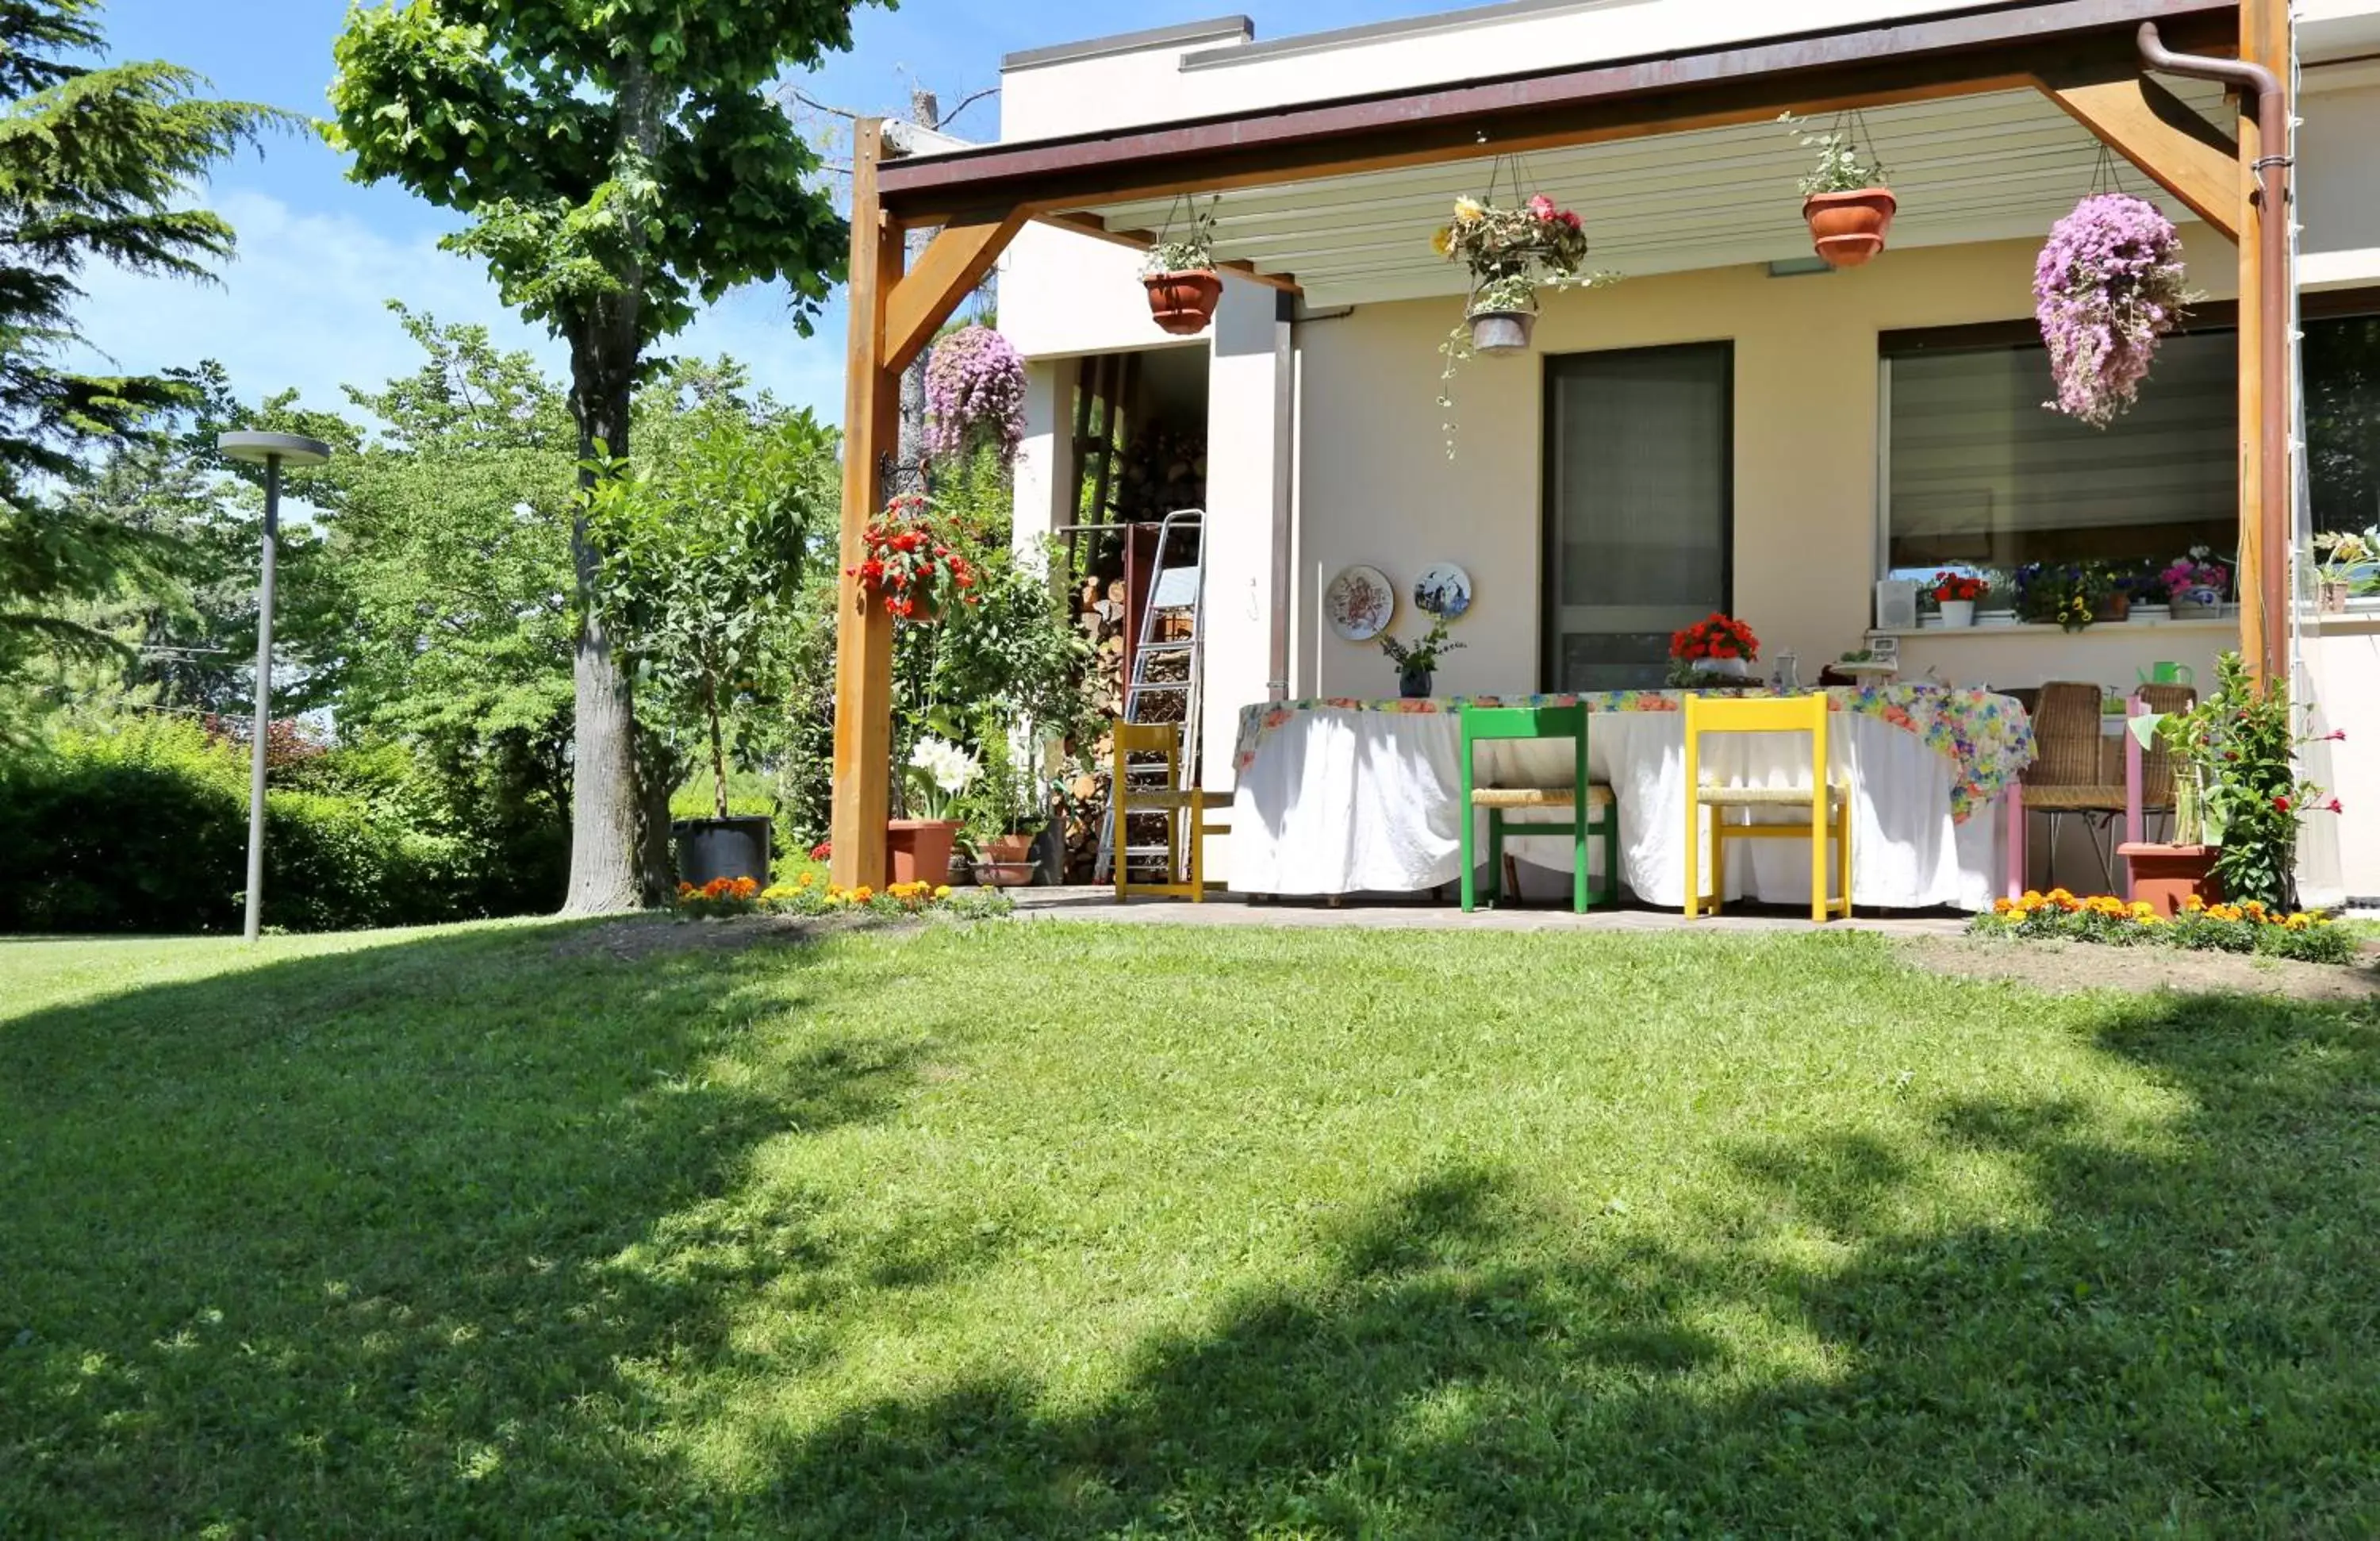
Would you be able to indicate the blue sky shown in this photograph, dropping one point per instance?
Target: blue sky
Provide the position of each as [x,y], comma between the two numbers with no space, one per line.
[304,304]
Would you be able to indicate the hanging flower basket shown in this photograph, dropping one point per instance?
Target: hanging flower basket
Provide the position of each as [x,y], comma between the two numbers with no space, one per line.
[1184,287]
[1844,200]
[2106,288]
[911,567]
[1514,253]
[974,395]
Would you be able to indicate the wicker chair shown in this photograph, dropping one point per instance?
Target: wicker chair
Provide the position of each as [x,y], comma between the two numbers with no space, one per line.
[2078,771]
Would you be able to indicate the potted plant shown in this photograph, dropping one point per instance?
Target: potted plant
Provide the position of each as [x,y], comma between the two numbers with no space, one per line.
[2347,558]
[918,848]
[2194,585]
[2239,801]
[1416,662]
[1184,287]
[1955,594]
[2108,286]
[700,568]
[1006,814]
[1719,648]
[911,566]
[974,395]
[2064,593]
[1844,200]
[1511,254]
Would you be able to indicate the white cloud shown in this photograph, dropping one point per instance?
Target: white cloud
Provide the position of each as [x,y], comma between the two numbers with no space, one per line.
[304,305]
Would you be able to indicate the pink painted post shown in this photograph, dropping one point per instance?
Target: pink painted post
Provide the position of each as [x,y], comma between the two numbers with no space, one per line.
[2136,821]
[2014,803]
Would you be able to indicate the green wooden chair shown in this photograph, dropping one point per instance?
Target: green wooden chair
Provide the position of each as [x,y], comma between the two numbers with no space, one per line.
[1593,810]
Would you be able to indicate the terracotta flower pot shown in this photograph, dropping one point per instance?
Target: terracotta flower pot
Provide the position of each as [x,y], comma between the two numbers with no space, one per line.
[2114,608]
[1183,303]
[1501,332]
[1007,862]
[2165,876]
[918,850]
[1848,229]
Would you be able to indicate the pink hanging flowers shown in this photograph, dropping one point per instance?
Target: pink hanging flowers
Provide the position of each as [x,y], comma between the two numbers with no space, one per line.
[975,393]
[2108,286]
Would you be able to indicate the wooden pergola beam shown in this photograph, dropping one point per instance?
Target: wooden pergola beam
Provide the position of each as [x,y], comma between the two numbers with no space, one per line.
[2156,130]
[1926,59]
[957,259]
[1142,240]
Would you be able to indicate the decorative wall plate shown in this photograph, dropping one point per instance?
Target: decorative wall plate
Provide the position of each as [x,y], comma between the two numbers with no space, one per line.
[1443,590]
[1360,603]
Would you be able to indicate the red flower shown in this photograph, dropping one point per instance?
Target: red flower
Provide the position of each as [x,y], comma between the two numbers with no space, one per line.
[2334,735]
[2332,807]
[2281,805]
[823,851]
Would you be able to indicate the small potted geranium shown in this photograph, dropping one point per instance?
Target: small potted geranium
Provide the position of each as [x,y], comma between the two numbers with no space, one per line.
[1719,648]
[1955,595]
[912,567]
[1184,287]
[2194,585]
[1416,662]
[1844,200]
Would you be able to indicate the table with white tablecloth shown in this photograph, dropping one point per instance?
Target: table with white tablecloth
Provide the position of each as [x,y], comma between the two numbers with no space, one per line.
[1342,797]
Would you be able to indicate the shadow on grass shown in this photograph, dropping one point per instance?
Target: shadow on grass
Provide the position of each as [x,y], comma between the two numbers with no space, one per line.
[406,1182]
[332,1245]
[2183,1339]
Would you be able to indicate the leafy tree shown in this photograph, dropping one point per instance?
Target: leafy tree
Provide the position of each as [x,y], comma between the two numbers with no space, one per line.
[704,548]
[617,162]
[94,164]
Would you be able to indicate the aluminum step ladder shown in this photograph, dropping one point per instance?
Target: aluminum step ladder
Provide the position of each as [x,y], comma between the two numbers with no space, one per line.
[1167,671]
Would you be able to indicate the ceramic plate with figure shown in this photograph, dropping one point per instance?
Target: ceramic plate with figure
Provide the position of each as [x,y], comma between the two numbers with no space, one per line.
[1444,590]
[1360,603]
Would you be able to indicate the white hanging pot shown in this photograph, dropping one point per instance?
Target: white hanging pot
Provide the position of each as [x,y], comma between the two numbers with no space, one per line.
[1501,332]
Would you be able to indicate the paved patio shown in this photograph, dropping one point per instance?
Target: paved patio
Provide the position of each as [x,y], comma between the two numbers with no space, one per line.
[1390,915]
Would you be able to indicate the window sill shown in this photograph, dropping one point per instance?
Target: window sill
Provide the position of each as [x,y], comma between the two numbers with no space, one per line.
[2229,621]
[2361,618]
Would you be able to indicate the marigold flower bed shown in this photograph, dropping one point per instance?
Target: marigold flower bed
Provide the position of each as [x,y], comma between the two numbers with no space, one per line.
[2106,919]
[806,896]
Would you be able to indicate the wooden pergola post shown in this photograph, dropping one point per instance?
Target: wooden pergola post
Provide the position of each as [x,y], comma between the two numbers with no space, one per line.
[894,315]
[2263,551]
[871,426]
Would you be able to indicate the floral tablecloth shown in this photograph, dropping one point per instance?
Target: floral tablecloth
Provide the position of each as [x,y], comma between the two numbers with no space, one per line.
[1987,738]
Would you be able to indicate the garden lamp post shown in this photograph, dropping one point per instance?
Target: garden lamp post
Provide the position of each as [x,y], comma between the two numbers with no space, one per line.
[271,451]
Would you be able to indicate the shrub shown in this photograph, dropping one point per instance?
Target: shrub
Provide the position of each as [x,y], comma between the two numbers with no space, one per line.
[144,828]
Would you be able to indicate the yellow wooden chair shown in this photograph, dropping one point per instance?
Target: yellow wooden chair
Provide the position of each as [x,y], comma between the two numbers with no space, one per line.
[1186,810]
[1829,801]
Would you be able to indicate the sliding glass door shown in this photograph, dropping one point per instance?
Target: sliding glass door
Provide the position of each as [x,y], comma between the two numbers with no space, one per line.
[1639,508]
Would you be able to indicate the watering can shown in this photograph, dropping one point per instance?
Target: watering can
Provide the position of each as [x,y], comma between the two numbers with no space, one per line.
[2169,674]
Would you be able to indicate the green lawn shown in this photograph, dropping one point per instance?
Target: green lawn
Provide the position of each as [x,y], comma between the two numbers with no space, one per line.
[1036,1231]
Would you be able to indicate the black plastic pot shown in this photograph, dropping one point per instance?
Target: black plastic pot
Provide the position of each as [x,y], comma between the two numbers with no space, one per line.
[709,848]
[1413,684]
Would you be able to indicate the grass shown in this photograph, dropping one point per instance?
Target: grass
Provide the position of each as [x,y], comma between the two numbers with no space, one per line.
[1037,1230]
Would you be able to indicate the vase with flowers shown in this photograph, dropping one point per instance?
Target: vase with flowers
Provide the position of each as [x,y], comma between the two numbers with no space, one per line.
[1955,595]
[912,565]
[2107,286]
[1717,650]
[1416,662]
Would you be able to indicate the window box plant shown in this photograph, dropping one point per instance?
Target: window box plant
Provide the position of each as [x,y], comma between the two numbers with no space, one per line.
[1716,649]
[1184,287]
[2062,593]
[1956,595]
[1844,200]
[2345,565]
[2193,585]
[1416,662]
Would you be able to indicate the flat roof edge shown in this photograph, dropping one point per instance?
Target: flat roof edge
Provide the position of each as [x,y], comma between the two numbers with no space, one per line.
[1380,32]
[1184,32]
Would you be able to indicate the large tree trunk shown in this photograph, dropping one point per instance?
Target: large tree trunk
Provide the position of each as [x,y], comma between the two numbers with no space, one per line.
[604,858]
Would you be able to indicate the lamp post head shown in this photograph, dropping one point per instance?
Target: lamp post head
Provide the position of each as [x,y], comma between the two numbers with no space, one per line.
[290,449]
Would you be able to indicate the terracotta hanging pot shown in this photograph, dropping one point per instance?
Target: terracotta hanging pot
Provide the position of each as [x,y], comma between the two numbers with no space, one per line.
[1183,303]
[1848,229]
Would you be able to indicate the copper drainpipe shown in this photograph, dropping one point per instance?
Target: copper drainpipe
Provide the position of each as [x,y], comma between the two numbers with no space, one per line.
[2273,304]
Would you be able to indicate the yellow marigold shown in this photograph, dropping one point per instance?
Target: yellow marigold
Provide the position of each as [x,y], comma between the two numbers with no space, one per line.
[806,879]
[861,894]
[2193,903]
[2143,910]
[2255,908]
[2226,912]
[942,891]
[2003,907]
[2299,922]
